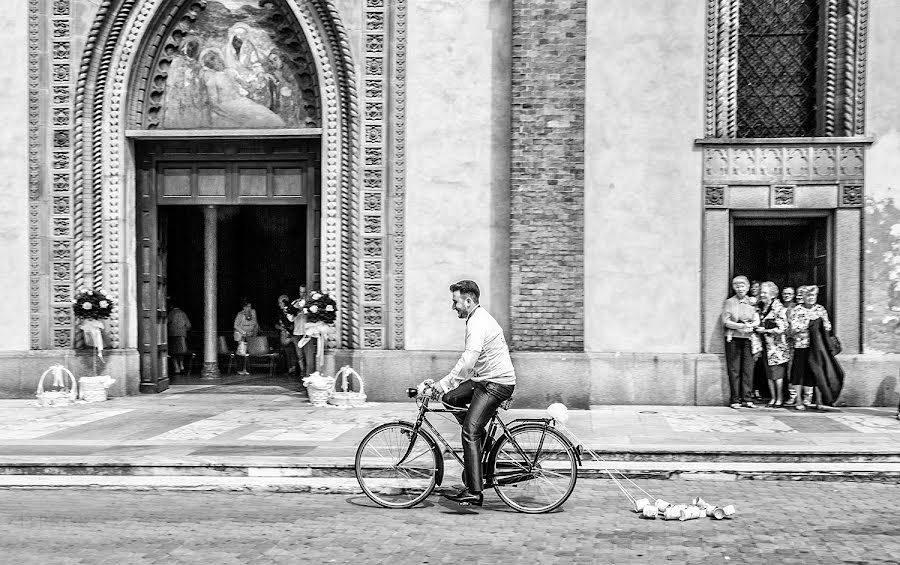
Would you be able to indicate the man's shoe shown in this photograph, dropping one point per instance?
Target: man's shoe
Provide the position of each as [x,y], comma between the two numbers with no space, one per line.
[749,405]
[736,406]
[466,498]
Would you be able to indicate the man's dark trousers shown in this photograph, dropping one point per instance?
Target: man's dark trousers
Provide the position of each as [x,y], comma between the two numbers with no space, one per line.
[739,360]
[483,399]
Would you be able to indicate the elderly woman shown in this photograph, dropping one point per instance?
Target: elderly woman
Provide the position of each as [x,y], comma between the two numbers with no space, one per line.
[246,325]
[802,375]
[739,318]
[772,329]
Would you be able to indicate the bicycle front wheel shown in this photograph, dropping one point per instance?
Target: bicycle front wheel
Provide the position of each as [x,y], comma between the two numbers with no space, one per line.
[534,468]
[396,465]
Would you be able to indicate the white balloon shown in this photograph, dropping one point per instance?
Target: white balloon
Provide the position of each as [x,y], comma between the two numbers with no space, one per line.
[559,412]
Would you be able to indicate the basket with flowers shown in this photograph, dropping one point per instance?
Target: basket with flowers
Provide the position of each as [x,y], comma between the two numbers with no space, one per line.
[92,306]
[320,311]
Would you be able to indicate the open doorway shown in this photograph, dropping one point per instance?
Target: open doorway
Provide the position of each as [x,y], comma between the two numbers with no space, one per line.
[787,250]
[261,254]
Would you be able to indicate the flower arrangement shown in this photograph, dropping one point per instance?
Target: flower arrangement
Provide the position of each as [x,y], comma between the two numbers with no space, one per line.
[92,305]
[319,308]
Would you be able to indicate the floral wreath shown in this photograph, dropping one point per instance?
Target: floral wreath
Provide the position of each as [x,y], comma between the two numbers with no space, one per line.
[319,308]
[92,305]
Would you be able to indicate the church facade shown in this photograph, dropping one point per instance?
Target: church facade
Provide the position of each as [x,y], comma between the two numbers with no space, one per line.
[601,169]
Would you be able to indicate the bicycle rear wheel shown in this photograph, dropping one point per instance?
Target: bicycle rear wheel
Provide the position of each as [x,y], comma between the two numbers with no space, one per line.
[536,471]
[396,465]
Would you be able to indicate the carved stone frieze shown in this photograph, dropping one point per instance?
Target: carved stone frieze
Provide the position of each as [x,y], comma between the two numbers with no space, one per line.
[820,162]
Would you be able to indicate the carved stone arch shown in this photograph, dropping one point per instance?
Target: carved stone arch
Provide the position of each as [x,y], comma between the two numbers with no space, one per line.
[109,68]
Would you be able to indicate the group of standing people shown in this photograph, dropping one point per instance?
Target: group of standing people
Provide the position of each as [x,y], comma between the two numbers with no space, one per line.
[790,338]
[300,353]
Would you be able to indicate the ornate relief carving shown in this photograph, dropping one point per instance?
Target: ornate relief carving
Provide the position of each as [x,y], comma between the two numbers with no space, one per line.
[782,195]
[770,162]
[372,270]
[743,162]
[715,196]
[372,316]
[375,43]
[796,164]
[372,247]
[49,67]
[372,201]
[374,66]
[373,338]
[851,195]
[824,161]
[60,28]
[828,162]
[831,58]
[60,7]
[716,162]
[851,161]
[371,224]
[375,21]
[372,292]
[862,36]
[372,179]
[61,94]
[373,134]
[374,88]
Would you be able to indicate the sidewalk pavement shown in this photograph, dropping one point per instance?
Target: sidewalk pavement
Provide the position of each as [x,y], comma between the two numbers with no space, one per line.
[268,437]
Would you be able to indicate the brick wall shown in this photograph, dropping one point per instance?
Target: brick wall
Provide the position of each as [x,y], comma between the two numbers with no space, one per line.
[547,175]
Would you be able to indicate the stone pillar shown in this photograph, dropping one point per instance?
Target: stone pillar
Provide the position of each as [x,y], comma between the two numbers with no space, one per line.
[210,351]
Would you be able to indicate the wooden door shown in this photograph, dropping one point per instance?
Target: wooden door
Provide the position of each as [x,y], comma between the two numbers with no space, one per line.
[152,258]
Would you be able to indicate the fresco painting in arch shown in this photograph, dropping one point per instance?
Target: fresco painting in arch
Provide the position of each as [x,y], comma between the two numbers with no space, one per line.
[232,71]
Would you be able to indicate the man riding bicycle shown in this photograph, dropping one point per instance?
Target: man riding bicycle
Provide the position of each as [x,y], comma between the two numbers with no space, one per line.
[482,379]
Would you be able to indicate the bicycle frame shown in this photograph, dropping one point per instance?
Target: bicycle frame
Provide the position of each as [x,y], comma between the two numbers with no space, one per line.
[489,438]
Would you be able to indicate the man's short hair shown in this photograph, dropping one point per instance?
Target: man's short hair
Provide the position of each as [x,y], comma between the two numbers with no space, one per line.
[467,287]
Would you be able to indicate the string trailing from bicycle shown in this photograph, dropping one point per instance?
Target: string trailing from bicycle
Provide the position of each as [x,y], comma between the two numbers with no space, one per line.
[649,506]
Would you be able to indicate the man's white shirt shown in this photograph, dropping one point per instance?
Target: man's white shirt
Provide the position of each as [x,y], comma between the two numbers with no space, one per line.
[486,357]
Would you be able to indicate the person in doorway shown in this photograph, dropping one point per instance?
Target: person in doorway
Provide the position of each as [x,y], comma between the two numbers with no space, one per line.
[813,365]
[179,325]
[246,325]
[772,330]
[482,379]
[789,301]
[285,327]
[306,353]
[759,371]
[739,318]
[753,293]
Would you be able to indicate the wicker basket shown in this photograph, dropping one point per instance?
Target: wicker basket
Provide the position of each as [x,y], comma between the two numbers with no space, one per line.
[93,389]
[346,397]
[319,388]
[67,394]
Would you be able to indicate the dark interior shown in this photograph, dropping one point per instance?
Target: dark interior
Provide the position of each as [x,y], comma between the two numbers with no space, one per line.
[261,254]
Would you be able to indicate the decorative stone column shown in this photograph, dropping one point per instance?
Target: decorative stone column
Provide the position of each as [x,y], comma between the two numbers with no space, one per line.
[210,237]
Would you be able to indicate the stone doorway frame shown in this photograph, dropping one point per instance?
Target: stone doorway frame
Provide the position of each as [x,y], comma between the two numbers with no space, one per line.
[103,189]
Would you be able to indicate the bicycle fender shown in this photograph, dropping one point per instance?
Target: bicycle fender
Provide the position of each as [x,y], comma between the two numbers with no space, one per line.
[438,454]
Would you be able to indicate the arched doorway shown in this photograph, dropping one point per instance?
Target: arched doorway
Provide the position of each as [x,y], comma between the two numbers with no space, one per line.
[255,73]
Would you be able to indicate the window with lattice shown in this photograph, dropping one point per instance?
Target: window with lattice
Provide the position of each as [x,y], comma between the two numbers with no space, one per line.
[776,71]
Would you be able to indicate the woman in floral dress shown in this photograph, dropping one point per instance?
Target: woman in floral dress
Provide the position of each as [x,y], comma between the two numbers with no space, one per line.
[772,329]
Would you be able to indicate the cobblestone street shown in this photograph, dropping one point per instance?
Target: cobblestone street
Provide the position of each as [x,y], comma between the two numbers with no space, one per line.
[776,522]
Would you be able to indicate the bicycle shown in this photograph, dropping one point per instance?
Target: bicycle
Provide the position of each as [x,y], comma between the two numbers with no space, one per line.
[531,465]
